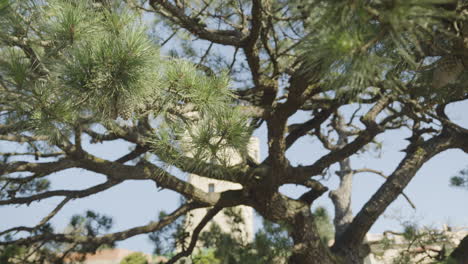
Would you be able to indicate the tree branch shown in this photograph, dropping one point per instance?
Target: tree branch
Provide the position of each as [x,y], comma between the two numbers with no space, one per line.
[36,154]
[390,190]
[42,222]
[22,139]
[361,140]
[196,232]
[303,129]
[40,168]
[138,151]
[68,193]
[460,254]
[97,137]
[194,26]
[385,177]
[108,238]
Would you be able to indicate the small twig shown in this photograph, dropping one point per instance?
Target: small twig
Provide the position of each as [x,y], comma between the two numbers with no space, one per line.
[133,154]
[233,60]
[196,232]
[385,177]
[42,222]
[207,52]
[169,38]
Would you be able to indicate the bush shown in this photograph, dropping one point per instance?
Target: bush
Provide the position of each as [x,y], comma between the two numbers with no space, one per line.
[135,258]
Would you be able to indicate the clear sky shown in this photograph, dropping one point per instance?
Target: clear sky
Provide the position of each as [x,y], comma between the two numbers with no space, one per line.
[136,203]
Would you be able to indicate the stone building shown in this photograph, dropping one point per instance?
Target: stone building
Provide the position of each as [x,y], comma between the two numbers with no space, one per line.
[392,247]
[212,185]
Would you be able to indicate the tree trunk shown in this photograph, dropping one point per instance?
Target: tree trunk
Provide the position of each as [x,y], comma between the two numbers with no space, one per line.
[460,254]
[341,198]
[308,247]
[354,255]
[388,192]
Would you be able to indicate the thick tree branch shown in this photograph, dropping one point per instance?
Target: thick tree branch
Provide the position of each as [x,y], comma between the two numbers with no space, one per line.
[36,154]
[138,151]
[304,233]
[390,190]
[385,177]
[460,254]
[363,138]
[252,53]
[194,26]
[109,238]
[97,137]
[40,168]
[68,193]
[147,171]
[304,128]
[22,139]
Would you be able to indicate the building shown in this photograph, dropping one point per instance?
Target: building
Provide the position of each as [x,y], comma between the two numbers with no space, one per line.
[393,247]
[212,185]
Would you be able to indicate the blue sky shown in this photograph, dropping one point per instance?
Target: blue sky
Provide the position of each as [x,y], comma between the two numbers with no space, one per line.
[136,203]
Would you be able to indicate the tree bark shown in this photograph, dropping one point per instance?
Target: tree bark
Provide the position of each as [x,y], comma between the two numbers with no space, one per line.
[341,198]
[351,240]
[308,247]
[460,254]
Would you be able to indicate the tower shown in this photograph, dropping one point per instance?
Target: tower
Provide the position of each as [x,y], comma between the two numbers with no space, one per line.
[212,185]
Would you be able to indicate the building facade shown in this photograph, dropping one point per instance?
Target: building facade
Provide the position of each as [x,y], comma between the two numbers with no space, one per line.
[212,185]
[395,248]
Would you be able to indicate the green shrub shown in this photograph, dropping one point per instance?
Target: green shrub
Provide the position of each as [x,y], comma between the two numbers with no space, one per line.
[135,258]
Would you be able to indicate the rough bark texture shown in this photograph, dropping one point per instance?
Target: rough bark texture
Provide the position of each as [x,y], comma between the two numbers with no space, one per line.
[308,247]
[350,241]
[341,199]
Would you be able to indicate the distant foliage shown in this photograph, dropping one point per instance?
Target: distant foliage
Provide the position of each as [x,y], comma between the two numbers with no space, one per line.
[416,244]
[206,257]
[460,180]
[324,224]
[169,238]
[271,244]
[135,258]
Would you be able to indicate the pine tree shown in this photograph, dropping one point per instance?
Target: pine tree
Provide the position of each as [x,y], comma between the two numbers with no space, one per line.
[187,81]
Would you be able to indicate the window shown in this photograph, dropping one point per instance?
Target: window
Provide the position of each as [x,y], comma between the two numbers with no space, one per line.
[211,187]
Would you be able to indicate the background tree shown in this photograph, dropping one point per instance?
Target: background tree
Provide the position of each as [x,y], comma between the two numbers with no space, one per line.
[271,243]
[460,180]
[90,70]
[460,254]
[417,244]
[135,258]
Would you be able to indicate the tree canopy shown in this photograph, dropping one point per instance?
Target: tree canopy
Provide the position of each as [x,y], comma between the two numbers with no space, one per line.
[188,82]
